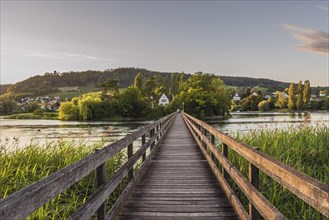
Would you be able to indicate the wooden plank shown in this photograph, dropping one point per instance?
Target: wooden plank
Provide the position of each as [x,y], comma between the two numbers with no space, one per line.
[123,197]
[89,207]
[177,183]
[173,214]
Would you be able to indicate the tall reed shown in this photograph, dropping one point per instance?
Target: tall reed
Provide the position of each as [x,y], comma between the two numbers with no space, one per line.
[24,166]
[306,148]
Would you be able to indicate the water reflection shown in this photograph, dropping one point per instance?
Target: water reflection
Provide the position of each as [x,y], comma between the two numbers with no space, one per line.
[22,132]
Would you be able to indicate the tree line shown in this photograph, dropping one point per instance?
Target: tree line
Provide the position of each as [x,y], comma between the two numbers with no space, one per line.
[201,95]
[49,82]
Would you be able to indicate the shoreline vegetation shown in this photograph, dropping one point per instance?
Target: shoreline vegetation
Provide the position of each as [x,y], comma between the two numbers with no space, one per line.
[54,115]
[304,147]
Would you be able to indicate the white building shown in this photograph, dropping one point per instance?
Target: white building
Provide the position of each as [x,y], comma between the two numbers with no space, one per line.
[163,100]
[236,97]
[323,94]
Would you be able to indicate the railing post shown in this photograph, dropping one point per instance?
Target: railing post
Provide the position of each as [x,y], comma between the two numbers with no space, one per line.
[225,154]
[143,142]
[204,143]
[254,179]
[212,139]
[158,134]
[151,135]
[130,154]
[100,180]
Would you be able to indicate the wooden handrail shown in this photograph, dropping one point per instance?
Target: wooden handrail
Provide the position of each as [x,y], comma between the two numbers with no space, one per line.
[15,206]
[305,187]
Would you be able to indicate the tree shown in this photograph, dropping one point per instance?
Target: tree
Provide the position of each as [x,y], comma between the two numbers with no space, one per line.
[264,106]
[132,102]
[110,87]
[32,106]
[299,103]
[203,95]
[8,106]
[149,87]
[291,98]
[181,82]
[281,100]
[138,82]
[306,93]
[68,111]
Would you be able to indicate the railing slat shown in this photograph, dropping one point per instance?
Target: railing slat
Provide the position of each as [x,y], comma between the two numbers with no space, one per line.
[226,187]
[258,200]
[39,193]
[305,187]
[92,204]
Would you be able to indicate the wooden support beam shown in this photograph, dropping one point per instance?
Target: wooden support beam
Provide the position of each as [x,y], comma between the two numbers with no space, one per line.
[100,180]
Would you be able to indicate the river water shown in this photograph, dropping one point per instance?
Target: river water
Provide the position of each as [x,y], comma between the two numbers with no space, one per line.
[19,133]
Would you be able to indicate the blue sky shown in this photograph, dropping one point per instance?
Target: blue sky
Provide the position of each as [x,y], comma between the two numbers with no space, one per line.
[281,40]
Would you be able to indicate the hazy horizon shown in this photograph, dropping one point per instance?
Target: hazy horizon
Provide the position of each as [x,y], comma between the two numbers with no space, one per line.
[285,41]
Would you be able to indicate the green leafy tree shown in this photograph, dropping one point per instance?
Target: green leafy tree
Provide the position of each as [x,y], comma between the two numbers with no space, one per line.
[68,111]
[299,103]
[291,98]
[281,100]
[138,82]
[8,106]
[306,93]
[203,95]
[132,103]
[32,106]
[264,106]
[110,87]
[149,87]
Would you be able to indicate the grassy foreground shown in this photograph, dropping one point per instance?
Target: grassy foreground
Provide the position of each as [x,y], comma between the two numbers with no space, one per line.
[305,148]
[25,166]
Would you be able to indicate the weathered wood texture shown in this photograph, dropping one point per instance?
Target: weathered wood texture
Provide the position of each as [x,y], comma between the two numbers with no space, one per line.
[22,203]
[178,183]
[305,187]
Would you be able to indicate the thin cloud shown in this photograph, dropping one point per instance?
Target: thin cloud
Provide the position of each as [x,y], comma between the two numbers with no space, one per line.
[313,40]
[55,56]
[322,7]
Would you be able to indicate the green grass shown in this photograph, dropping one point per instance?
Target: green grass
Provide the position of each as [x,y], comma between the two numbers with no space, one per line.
[71,94]
[22,167]
[305,148]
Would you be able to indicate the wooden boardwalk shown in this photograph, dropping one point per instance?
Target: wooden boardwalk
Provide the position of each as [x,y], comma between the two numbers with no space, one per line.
[178,179]
[178,183]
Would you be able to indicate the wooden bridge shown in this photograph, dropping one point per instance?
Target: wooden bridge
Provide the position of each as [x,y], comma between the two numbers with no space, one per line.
[183,175]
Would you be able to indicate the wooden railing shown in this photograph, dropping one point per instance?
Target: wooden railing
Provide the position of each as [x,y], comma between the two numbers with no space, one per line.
[310,190]
[27,200]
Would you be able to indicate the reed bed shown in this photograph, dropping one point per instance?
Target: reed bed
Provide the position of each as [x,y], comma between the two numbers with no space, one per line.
[24,166]
[306,148]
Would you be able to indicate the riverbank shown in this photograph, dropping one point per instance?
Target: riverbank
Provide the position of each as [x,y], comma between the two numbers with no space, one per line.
[43,116]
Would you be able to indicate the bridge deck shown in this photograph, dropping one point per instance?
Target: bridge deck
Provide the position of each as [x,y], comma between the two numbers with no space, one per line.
[178,184]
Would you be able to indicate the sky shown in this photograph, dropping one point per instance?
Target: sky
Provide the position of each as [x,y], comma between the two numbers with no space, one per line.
[281,40]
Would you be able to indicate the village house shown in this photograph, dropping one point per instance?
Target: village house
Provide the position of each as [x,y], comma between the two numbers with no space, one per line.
[164,101]
[323,94]
[236,97]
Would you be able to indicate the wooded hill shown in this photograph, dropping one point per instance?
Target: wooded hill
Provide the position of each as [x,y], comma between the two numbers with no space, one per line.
[49,82]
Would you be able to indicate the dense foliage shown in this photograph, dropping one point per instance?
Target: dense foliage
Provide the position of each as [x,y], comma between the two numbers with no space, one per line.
[304,148]
[202,95]
[49,82]
[23,167]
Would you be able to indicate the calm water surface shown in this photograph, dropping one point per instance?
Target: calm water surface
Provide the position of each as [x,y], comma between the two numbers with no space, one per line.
[19,133]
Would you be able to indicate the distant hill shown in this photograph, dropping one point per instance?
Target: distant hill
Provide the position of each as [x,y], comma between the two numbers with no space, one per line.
[51,82]
[4,88]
